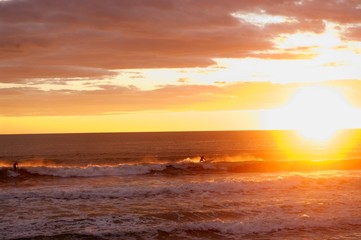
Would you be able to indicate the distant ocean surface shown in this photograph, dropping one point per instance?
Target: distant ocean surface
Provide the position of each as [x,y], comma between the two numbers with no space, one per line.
[252,185]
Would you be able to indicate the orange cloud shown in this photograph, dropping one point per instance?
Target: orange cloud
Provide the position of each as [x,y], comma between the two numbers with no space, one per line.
[110,99]
[113,99]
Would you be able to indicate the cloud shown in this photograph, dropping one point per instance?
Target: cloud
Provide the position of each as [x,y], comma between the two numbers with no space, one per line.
[112,99]
[183,80]
[353,33]
[10,73]
[344,11]
[46,38]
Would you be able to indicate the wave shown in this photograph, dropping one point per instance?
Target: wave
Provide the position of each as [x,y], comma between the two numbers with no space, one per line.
[191,188]
[263,226]
[106,170]
[296,229]
[228,213]
[187,166]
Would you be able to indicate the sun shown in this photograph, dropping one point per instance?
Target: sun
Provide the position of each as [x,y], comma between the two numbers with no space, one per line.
[315,112]
[316,133]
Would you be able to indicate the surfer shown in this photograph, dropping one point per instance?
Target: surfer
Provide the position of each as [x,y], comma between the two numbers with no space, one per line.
[15,165]
[202,159]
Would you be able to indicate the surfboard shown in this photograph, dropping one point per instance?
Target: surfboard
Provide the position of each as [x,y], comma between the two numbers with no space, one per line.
[12,173]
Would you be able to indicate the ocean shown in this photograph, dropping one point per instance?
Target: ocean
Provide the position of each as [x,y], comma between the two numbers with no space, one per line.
[252,185]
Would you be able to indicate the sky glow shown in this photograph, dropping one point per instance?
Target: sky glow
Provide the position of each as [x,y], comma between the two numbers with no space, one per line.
[142,59]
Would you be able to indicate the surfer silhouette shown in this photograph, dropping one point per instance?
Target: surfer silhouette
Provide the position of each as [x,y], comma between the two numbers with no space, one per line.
[15,165]
[202,159]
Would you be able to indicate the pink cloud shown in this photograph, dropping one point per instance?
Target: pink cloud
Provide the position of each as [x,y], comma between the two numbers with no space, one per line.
[64,37]
[353,34]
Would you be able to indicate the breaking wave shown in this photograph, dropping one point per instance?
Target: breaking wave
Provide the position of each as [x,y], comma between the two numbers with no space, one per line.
[183,167]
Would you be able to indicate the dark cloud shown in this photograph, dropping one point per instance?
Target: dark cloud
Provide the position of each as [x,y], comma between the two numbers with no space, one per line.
[46,38]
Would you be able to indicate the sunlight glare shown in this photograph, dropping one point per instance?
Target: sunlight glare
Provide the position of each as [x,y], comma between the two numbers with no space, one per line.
[315,112]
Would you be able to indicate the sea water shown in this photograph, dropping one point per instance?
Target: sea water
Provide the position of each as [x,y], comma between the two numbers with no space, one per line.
[253,185]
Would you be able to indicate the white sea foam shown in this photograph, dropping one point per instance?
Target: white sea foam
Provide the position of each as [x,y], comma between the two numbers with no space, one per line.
[121,169]
[95,171]
[12,173]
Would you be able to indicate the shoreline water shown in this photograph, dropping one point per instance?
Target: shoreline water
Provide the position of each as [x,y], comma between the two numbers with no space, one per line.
[207,206]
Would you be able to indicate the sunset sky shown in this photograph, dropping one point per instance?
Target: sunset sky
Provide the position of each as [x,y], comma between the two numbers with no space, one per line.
[175,65]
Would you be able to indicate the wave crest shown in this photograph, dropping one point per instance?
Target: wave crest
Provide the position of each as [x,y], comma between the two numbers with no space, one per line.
[186,166]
